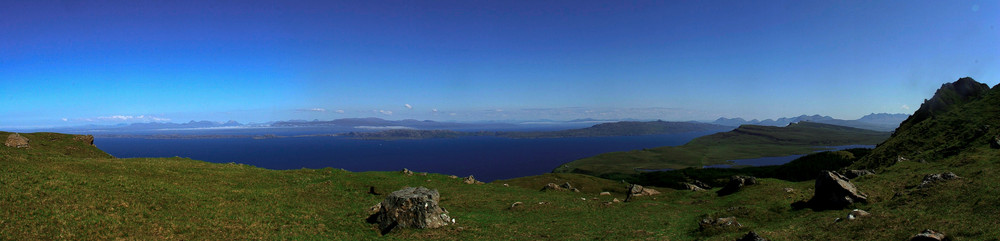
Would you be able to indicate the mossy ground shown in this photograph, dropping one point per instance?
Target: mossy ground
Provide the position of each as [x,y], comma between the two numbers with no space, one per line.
[46,194]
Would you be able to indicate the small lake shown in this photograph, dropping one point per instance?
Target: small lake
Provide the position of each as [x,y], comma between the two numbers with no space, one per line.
[487,158]
[779,160]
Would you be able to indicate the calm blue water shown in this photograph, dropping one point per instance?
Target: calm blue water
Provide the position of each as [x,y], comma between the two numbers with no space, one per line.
[488,158]
[778,160]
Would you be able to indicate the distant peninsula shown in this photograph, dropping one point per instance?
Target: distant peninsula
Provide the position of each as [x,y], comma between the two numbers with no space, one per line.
[622,128]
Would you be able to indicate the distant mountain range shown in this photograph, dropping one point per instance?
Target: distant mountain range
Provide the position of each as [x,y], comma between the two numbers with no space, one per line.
[877,122]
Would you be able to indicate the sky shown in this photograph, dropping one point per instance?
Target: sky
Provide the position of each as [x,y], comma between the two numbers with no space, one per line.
[66,63]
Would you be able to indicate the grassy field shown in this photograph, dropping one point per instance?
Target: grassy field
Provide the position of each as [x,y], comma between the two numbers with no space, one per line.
[48,193]
[747,141]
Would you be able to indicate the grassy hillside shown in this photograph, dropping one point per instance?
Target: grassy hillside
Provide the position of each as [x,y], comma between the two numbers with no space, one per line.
[747,141]
[49,195]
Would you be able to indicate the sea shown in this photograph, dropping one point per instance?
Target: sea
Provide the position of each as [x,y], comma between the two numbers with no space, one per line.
[486,158]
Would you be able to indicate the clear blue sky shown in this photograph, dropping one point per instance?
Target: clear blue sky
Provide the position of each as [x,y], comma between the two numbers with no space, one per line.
[106,62]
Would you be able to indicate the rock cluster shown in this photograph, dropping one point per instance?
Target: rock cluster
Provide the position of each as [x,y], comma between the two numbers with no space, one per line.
[835,191]
[695,186]
[412,207]
[16,140]
[470,180]
[570,187]
[407,172]
[736,183]
[932,179]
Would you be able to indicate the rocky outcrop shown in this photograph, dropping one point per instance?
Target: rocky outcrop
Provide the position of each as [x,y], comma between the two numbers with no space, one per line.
[736,183]
[752,236]
[691,187]
[470,180]
[852,174]
[570,187]
[16,140]
[412,207]
[89,139]
[552,187]
[835,191]
[407,172]
[995,143]
[931,179]
[929,235]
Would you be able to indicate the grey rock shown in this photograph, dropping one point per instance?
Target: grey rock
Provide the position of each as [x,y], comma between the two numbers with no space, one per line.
[566,185]
[736,183]
[852,174]
[412,207]
[16,140]
[929,235]
[552,187]
[835,191]
[931,179]
[719,223]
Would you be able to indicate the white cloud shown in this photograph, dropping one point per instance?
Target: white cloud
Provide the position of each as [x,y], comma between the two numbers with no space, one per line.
[64,119]
[905,107]
[313,110]
[408,106]
[434,110]
[385,112]
[340,111]
[124,118]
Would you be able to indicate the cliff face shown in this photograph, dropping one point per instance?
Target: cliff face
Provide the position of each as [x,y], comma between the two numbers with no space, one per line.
[960,116]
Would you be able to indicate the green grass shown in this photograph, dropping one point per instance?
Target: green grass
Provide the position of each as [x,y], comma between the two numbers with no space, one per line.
[46,193]
[747,141]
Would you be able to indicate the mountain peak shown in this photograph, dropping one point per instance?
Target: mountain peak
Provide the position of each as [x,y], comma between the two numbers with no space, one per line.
[953,94]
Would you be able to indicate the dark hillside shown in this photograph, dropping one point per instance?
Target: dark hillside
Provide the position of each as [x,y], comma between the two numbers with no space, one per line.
[960,116]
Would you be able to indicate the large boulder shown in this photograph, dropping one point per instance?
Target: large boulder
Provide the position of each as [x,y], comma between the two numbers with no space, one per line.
[931,179]
[16,140]
[412,207]
[639,190]
[736,183]
[835,191]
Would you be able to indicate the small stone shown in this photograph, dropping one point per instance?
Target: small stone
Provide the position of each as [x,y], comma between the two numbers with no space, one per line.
[857,213]
[453,177]
[605,194]
[505,185]
[929,235]
[516,204]
[789,190]
[616,200]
